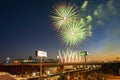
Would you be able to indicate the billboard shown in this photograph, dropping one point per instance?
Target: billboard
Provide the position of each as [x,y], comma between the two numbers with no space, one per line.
[40,53]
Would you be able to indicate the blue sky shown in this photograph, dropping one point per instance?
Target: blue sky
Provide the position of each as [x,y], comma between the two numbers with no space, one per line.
[25,26]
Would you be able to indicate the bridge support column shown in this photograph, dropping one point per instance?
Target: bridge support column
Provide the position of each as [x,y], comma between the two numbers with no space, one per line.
[45,69]
[61,68]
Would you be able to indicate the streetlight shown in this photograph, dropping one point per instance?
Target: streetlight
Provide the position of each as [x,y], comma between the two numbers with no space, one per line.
[7,60]
[84,53]
[48,73]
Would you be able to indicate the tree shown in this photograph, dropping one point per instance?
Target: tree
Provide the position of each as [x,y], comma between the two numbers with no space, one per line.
[30,58]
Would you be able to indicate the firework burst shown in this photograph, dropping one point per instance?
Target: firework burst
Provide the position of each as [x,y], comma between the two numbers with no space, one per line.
[73,28]
[64,14]
[75,33]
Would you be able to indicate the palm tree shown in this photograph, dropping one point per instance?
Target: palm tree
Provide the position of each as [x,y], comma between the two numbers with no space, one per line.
[30,58]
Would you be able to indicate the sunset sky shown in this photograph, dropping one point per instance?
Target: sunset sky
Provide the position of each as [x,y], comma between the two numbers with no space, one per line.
[25,26]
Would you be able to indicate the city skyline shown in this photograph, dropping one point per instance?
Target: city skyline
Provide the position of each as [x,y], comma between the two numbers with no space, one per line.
[26,26]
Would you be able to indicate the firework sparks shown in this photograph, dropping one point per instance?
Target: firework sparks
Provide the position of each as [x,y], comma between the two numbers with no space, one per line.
[64,14]
[84,5]
[69,56]
[74,28]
